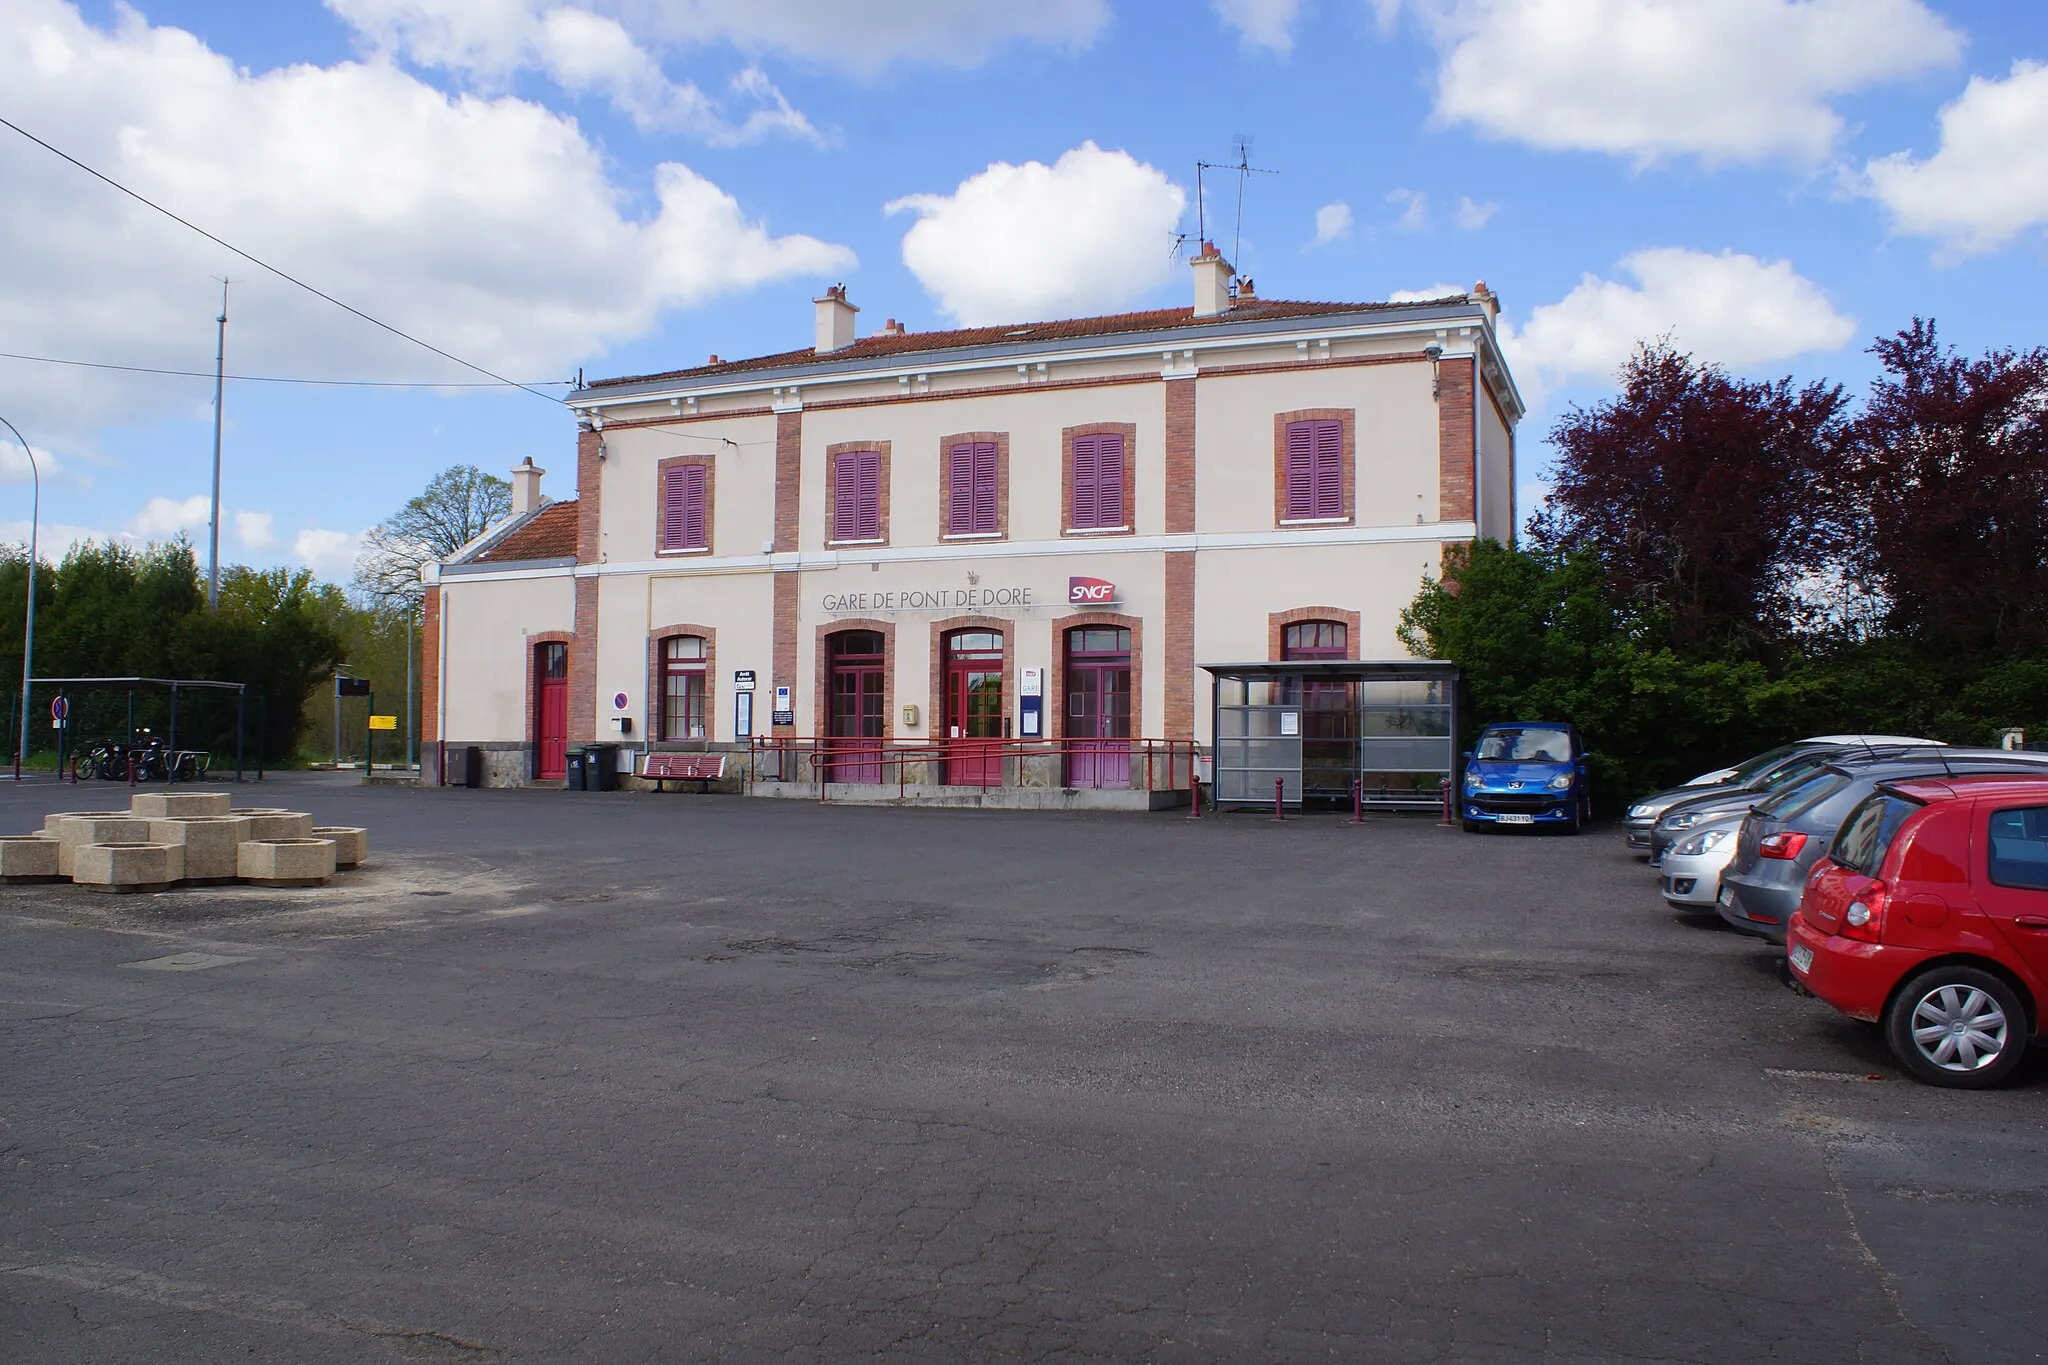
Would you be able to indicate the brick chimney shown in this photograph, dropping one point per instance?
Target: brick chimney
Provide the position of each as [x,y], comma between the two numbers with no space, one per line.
[525,486]
[1212,282]
[1486,299]
[835,320]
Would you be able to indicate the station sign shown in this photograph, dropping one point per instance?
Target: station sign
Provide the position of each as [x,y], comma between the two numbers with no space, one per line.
[383,722]
[1090,592]
[743,679]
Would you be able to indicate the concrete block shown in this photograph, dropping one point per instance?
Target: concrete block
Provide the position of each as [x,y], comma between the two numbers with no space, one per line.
[285,862]
[128,865]
[50,822]
[279,824]
[351,845]
[76,831]
[210,844]
[28,858]
[180,805]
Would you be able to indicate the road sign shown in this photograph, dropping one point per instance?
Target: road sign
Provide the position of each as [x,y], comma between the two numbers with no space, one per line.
[60,710]
[383,722]
[351,687]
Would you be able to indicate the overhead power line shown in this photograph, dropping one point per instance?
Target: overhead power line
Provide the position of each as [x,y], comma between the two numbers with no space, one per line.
[286,276]
[289,379]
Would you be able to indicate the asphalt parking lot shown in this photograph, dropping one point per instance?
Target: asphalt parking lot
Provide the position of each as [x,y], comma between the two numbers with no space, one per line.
[616,1077]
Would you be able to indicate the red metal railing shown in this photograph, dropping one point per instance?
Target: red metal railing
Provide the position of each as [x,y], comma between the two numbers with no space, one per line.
[1146,764]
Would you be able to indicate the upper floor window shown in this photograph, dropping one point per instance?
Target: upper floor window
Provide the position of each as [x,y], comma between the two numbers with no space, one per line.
[971,485]
[856,496]
[1098,483]
[1314,476]
[1315,640]
[686,506]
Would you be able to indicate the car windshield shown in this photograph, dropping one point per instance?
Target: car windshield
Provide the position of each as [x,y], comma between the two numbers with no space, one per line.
[1525,744]
[1868,832]
[1801,795]
[1789,769]
[1744,772]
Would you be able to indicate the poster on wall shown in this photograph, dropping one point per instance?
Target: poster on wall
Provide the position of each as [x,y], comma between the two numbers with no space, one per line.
[743,714]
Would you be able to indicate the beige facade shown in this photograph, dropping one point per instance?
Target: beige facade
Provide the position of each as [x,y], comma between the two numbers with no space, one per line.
[1205,556]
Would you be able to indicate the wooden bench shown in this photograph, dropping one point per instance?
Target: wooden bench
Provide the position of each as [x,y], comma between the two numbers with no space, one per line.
[703,769]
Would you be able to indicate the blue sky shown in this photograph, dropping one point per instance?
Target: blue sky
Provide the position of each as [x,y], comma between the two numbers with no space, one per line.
[631,185]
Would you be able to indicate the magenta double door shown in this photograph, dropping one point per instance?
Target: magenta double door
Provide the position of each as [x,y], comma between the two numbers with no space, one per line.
[974,708]
[855,697]
[1098,706]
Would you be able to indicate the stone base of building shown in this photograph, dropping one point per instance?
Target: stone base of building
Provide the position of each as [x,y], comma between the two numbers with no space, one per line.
[974,798]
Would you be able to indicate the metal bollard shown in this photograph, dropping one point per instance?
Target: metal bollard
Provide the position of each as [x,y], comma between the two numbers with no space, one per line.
[1194,796]
[1357,800]
[131,769]
[1447,821]
[1279,795]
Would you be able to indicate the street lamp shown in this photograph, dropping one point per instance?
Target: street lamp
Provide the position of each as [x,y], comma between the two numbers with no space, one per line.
[28,632]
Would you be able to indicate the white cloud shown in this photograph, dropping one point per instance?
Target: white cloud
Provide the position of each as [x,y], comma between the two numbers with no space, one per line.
[864,38]
[166,518]
[329,554]
[1261,23]
[256,530]
[14,462]
[1473,216]
[1414,206]
[488,226]
[581,51]
[1988,182]
[1087,234]
[1333,223]
[1428,295]
[1727,80]
[1731,309]
[55,539]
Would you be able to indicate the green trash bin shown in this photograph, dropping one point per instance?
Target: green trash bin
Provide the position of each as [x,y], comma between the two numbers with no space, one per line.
[578,770]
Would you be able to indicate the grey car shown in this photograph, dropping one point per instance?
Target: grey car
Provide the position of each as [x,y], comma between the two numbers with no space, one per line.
[1787,834]
[1684,817]
[1752,775]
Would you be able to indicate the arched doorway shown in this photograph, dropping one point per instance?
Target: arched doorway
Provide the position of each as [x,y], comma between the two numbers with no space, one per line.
[551,711]
[973,680]
[1098,706]
[856,665]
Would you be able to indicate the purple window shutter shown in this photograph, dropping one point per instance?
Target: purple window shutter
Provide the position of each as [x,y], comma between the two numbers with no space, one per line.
[984,516]
[1329,481]
[693,508]
[1301,448]
[867,495]
[1087,482]
[1109,481]
[845,497]
[960,490]
[672,509]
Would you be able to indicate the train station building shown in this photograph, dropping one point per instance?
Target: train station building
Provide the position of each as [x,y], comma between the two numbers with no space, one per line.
[992,556]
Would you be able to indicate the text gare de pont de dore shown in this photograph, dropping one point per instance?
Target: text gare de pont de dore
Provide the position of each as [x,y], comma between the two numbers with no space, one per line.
[1080,592]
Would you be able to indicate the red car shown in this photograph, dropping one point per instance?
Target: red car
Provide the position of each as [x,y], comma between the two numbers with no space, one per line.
[1929,915]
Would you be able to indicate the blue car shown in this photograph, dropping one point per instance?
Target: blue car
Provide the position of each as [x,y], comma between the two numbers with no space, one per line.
[1526,773]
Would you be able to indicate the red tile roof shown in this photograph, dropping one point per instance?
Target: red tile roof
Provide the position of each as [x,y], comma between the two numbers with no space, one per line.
[883,344]
[549,534]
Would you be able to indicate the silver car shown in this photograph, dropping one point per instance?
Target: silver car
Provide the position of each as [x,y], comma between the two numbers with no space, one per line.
[1690,874]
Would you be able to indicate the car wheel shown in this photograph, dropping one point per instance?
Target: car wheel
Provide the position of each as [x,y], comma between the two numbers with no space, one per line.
[1957,1026]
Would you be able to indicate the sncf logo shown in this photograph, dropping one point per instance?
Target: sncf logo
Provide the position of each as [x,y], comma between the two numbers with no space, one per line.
[1085,590]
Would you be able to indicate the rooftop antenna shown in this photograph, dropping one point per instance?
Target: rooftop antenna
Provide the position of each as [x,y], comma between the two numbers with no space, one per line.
[1242,145]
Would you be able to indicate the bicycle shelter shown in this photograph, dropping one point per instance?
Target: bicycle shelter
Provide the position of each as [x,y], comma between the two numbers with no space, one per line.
[173,686]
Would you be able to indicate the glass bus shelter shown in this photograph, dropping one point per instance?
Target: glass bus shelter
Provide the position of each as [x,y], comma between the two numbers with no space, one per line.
[1318,726]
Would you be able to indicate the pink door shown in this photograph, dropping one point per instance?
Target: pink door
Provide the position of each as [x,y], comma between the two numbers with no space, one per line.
[974,708]
[1098,707]
[854,698]
[551,711]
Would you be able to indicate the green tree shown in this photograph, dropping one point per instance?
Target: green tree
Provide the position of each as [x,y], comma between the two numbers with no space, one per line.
[459,504]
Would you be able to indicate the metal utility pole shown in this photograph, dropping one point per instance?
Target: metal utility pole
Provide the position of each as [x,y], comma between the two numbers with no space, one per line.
[28,630]
[408,687]
[220,353]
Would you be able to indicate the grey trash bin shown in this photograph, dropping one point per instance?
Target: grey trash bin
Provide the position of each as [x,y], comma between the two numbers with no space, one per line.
[578,770]
[472,765]
[601,767]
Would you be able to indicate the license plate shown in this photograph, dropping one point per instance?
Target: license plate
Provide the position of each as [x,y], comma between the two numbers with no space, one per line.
[1518,819]
[1802,958]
